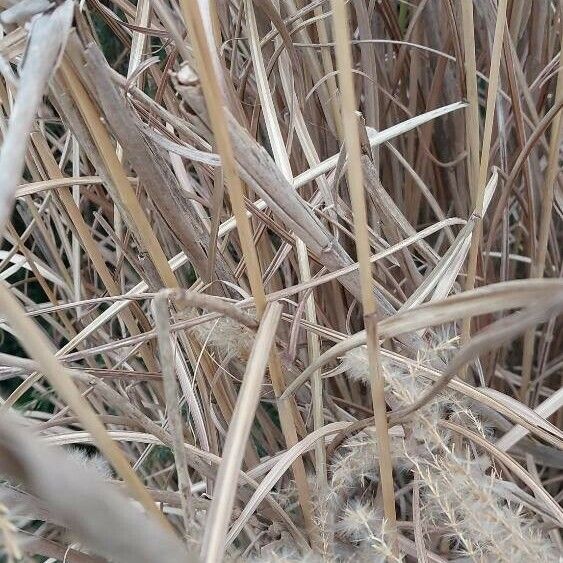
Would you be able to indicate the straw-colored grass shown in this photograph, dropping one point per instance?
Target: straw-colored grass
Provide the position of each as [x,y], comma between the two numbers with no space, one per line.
[281,281]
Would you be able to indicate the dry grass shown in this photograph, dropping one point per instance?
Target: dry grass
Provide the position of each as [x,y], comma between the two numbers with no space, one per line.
[281,282]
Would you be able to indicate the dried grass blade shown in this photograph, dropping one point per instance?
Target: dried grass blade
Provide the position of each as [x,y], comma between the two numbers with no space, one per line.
[103,519]
[494,297]
[39,348]
[492,92]
[46,42]
[219,514]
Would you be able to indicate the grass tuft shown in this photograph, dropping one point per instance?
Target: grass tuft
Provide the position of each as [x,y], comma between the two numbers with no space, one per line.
[281,281]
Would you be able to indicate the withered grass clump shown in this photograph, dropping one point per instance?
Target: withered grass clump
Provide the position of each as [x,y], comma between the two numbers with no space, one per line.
[281,281]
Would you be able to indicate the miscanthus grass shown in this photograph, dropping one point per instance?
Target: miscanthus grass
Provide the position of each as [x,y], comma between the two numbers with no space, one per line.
[280,281]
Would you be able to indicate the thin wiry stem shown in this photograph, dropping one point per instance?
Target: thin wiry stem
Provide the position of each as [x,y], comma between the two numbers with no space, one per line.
[166,353]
